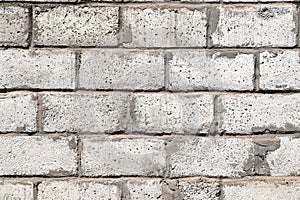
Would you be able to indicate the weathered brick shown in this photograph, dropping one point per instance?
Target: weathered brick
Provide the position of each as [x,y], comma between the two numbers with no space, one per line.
[203,70]
[22,190]
[255,26]
[262,189]
[279,70]
[171,113]
[198,188]
[114,156]
[285,160]
[14,23]
[78,190]
[160,27]
[145,189]
[38,155]
[250,113]
[18,112]
[76,26]
[98,112]
[188,156]
[121,69]
[38,69]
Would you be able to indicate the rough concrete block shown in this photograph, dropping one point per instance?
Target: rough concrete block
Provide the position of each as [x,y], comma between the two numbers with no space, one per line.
[279,70]
[188,156]
[262,190]
[38,155]
[16,190]
[38,69]
[18,112]
[255,26]
[145,189]
[251,113]
[14,23]
[285,160]
[97,112]
[78,190]
[198,188]
[109,156]
[122,69]
[160,27]
[76,26]
[171,113]
[208,70]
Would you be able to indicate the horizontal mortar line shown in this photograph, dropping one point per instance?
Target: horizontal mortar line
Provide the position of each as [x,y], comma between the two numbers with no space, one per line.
[124,178]
[170,4]
[251,49]
[89,91]
[151,4]
[131,135]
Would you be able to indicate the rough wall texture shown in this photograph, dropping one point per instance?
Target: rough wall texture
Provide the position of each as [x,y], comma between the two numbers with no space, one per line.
[149,99]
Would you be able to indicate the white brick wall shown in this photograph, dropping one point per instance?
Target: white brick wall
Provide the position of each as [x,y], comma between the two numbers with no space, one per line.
[149,99]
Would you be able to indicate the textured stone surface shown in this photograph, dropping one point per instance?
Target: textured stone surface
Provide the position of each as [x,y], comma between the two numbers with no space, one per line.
[121,69]
[78,190]
[11,190]
[14,23]
[188,156]
[76,26]
[160,27]
[144,189]
[250,113]
[108,156]
[38,155]
[203,70]
[196,188]
[285,161]
[255,26]
[18,112]
[38,69]
[275,190]
[171,113]
[99,112]
[279,70]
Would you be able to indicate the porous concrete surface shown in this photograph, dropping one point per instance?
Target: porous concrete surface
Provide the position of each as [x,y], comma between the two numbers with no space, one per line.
[285,160]
[197,188]
[122,69]
[78,190]
[204,70]
[123,156]
[171,113]
[75,26]
[246,113]
[84,112]
[38,155]
[263,190]
[38,69]
[149,99]
[160,27]
[278,70]
[255,26]
[16,190]
[208,156]
[14,23]
[18,112]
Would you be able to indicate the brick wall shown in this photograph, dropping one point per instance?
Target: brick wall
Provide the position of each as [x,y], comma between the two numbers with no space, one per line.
[149,99]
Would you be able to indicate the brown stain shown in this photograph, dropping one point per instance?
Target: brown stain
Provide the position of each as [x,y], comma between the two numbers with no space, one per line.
[257,163]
